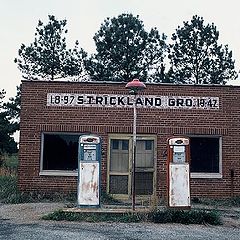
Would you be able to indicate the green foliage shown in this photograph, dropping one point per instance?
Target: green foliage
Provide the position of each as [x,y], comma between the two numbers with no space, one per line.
[197,58]
[48,57]
[12,109]
[235,201]
[168,216]
[8,189]
[7,143]
[9,192]
[187,217]
[225,202]
[108,199]
[2,95]
[125,50]
[10,161]
[61,215]
[7,128]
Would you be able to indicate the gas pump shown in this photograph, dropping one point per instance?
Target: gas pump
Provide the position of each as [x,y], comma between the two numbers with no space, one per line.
[178,172]
[89,162]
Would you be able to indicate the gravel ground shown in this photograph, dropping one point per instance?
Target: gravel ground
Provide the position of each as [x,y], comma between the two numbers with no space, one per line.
[22,222]
[27,212]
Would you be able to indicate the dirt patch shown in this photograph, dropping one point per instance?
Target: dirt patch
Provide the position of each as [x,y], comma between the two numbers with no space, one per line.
[27,212]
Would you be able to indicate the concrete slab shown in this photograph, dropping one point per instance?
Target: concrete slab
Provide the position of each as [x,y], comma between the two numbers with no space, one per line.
[107,209]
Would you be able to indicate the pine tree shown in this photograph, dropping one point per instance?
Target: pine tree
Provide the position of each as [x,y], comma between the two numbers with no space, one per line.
[48,57]
[125,50]
[196,57]
[7,128]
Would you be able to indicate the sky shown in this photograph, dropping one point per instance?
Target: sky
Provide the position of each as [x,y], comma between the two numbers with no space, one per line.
[19,19]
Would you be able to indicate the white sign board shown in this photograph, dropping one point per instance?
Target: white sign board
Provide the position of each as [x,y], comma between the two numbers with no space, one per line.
[121,101]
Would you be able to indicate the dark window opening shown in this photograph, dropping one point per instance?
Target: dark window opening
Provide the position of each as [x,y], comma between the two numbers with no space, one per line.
[60,152]
[118,184]
[148,144]
[125,144]
[115,144]
[144,183]
[204,154]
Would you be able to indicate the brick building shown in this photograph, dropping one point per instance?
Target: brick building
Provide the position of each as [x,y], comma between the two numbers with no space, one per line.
[55,114]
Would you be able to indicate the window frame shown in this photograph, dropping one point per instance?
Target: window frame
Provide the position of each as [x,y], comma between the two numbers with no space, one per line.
[65,173]
[109,173]
[206,174]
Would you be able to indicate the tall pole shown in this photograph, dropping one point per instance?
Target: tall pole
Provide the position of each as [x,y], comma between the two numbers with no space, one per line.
[134,86]
[134,151]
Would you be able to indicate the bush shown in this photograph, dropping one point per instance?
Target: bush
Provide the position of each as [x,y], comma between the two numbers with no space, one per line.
[8,164]
[186,217]
[9,193]
[236,201]
[95,217]
[229,202]
[10,161]
[168,216]
[8,188]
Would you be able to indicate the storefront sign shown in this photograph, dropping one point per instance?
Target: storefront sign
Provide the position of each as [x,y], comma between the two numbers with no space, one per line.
[143,101]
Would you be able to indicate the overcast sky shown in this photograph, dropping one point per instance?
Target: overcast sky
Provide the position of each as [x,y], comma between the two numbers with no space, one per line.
[19,18]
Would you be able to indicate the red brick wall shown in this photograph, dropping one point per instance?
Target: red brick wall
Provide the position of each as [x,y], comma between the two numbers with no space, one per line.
[37,117]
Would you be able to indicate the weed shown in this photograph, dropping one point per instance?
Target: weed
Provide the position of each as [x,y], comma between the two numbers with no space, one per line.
[235,201]
[167,216]
[108,199]
[229,202]
[10,161]
[186,217]
[9,193]
[94,217]
[8,188]
[8,164]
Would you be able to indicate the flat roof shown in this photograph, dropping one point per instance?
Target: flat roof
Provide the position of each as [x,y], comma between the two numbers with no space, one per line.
[120,83]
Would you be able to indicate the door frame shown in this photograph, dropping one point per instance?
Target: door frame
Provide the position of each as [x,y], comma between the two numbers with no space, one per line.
[109,173]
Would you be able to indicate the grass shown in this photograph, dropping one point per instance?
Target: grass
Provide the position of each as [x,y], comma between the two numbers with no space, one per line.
[10,162]
[9,193]
[166,216]
[108,199]
[226,202]
[8,189]
[61,215]
[187,217]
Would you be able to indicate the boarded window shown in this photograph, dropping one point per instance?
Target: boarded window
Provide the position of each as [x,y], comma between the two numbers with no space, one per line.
[204,154]
[60,152]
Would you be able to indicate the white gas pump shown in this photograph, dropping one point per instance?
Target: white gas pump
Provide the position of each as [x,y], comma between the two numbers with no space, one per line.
[178,172]
[89,162]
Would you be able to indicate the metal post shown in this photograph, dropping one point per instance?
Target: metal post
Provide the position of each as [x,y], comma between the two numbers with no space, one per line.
[134,86]
[134,152]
